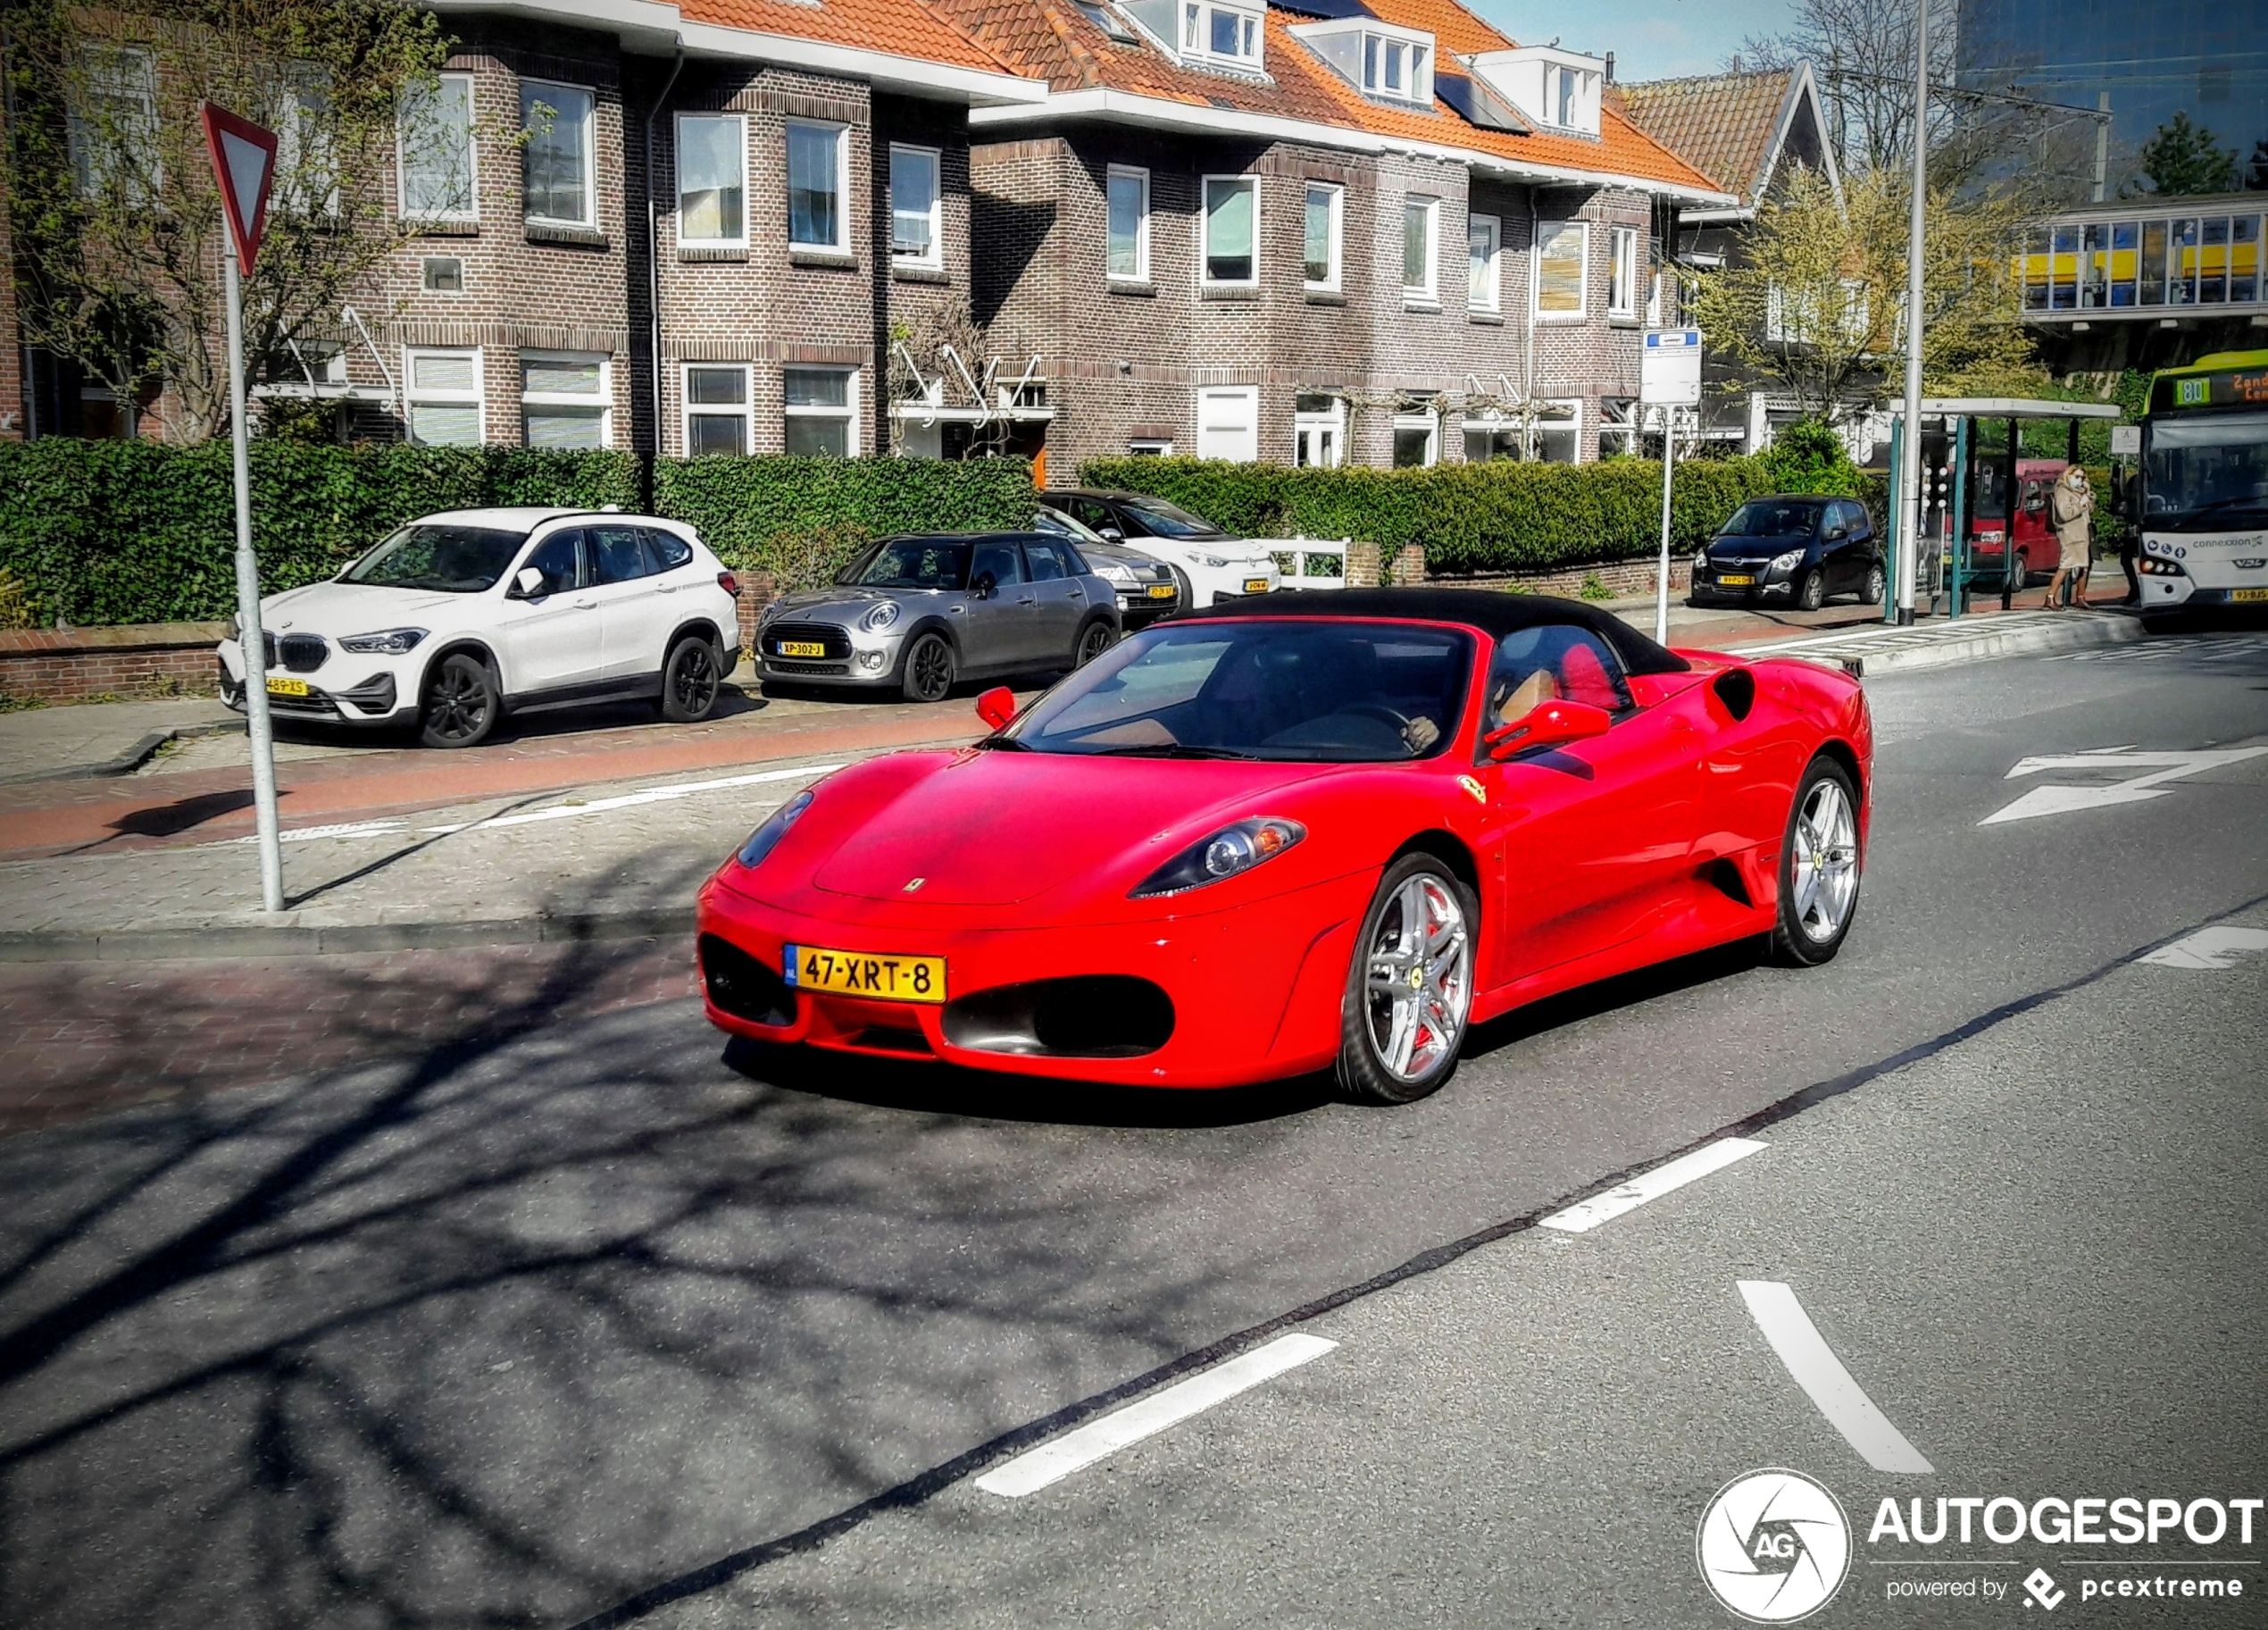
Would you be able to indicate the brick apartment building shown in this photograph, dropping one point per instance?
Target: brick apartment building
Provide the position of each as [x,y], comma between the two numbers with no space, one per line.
[1196,226]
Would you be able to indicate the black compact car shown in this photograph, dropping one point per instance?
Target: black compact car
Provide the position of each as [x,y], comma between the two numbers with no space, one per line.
[1790,550]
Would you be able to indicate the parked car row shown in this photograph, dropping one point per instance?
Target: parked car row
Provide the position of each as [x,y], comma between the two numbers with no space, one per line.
[460,620]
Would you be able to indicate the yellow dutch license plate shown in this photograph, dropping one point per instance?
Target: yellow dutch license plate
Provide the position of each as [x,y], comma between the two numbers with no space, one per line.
[1161,591]
[801,647]
[1736,583]
[888,979]
[287,687]
[1255,585]
[2249,594]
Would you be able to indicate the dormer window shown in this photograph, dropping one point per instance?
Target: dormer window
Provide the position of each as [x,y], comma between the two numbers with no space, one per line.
[1378,58]
[1224,33]
[1559,90]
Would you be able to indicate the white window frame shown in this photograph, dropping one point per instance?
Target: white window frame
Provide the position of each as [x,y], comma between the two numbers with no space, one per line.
[122,74]
[1205,231]
[603,400]
[1622,271]
[677,163]
[1194,18]
[1490,296]
[1426,295]
[1333,423]
[1429,421]
[1149,446]
[1329,283]
[1417,66]
[1583,281]
[589,220]
[412,397]
[1572,425]
[934,261]
[1653,299]
[1141,272]
[1627,430]
[472,159]
[841,133]
[847,413]
[1250,395]
[688,409]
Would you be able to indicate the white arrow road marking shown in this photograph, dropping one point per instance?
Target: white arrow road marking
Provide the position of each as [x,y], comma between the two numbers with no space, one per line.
[2135,789]
[1035,1469]
[2208,948]
[1586,1215]
[1820,1372]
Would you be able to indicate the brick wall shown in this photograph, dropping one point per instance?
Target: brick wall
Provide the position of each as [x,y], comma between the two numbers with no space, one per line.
[74,664]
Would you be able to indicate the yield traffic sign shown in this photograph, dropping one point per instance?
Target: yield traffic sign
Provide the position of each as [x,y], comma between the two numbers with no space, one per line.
[243,163]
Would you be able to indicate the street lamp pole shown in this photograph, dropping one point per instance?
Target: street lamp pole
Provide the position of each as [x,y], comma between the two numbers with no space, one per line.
[1909,496]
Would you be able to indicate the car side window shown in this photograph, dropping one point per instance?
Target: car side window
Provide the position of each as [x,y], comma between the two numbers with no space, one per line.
[618,554]
[556,558]
[1046,562]
[1553,662]
[1095,514]
[669,551]
[995,567]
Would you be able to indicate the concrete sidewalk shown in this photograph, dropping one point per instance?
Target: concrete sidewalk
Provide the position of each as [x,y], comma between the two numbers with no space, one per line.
[83,739]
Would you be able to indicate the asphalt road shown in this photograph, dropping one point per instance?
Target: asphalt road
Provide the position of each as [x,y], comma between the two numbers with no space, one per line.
[580,1313]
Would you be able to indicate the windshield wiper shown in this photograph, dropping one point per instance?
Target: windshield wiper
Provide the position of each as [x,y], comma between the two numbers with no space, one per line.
[1173,750]
[1004,744]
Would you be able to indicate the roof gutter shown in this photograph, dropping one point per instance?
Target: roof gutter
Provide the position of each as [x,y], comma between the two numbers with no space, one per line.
[1157,112]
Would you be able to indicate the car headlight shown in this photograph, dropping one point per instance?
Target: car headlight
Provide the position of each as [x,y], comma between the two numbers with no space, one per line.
[1228,853]
[766,838]
[1787,562]
[1216,561]
[1112,572]
[879,616]
[387,642]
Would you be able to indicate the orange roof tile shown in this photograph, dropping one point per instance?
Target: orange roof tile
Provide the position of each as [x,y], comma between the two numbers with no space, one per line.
[894,28]
[1726,124]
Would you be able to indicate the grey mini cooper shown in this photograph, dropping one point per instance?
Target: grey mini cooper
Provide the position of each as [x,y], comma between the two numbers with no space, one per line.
[916,613]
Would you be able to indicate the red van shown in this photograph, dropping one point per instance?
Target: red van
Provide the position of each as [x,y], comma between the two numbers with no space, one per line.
[2036,546]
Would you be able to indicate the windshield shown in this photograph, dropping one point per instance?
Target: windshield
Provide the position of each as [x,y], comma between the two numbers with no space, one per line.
[1167,522]
[911,563]
[2206,473]
[1327,692]
[452,559]
[1055,521]
[1773,518]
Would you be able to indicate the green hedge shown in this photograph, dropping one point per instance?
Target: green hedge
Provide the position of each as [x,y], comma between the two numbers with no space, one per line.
[1501,516]
[120,532]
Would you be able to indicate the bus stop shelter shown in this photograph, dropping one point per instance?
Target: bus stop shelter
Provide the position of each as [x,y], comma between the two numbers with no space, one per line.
[1958,551]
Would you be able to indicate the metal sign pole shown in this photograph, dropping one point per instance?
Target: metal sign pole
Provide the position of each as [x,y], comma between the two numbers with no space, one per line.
[1907,494]
[249,634]
[1662,582]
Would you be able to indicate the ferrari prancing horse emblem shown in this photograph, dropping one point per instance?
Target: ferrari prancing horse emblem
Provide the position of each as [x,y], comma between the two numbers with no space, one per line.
[916,883]
[1480,793]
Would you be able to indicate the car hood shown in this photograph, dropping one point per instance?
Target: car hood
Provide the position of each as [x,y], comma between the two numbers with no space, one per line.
[845,605]
[997,828]
[1757,549]
[1236,551]
[329,608]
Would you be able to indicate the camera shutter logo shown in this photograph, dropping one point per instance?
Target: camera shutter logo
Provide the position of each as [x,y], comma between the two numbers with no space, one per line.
[1773,1547]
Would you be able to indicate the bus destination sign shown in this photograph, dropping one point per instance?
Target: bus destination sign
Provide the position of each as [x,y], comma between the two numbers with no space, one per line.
[2234,388]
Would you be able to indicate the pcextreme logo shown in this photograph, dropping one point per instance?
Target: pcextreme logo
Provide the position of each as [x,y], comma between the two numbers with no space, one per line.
[1773,1546]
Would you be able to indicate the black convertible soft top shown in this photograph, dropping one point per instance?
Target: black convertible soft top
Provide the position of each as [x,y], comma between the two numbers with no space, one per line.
[1496,614]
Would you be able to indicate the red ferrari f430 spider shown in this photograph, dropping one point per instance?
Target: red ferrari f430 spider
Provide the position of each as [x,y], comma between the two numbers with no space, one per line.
[1326,829]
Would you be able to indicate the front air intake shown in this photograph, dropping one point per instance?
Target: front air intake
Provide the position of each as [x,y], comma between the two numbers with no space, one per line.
[739,985]
[1093,1016]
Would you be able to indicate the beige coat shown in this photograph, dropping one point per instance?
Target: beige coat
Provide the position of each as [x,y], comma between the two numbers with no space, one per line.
[2071,506]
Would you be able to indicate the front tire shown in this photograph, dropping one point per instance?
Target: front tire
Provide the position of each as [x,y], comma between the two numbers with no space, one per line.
[690,681]
[1819,867]
[1409,986]
[462,705]
[929,669]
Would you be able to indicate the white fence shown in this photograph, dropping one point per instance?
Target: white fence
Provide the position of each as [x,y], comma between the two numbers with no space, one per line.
[1298,556]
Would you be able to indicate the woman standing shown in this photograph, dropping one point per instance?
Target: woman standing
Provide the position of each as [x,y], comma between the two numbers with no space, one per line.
[2070,506]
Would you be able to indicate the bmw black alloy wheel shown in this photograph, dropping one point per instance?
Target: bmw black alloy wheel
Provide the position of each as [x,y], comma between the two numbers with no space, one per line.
[461,702]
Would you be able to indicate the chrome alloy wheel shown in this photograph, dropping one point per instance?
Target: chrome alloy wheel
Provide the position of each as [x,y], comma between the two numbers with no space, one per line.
[1826,862]
[1420,979]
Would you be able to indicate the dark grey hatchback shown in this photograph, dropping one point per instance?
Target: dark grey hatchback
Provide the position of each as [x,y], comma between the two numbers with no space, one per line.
[1791,550]
[915,613]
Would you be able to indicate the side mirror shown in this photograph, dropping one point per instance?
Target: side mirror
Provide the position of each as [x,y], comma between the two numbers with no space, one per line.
[1836,534]
[997,706]
[527,583]
[1548,725]
[1110,534]
[984,587]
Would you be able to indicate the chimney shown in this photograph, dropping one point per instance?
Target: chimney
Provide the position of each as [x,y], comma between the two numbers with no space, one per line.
[1609,68]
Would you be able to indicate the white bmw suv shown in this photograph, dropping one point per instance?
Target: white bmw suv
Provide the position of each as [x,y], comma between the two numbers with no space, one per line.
[461,618]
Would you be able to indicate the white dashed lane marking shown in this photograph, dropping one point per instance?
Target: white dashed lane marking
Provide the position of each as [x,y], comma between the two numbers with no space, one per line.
[1035,1469]
[2208,948]
[1821,1374]
[1586,1215]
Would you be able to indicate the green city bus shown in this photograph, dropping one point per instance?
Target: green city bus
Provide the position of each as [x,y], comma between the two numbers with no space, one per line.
[2203,505]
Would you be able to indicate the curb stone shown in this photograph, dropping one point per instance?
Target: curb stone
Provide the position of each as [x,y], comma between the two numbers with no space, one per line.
[134,758]
[1875,654]
[247,941]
